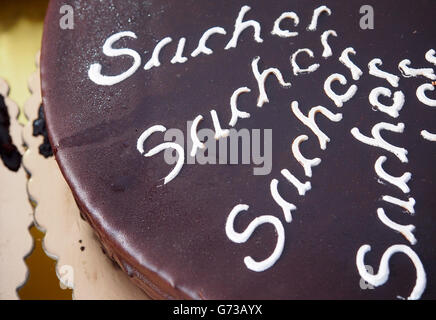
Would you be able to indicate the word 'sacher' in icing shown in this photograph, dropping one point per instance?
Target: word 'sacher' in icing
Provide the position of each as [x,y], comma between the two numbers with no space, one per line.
[242,237]
[382,275]
[378,141]
[392,110]
[277,31]
[356,73]
[339,100]
[219,132]
[376,72]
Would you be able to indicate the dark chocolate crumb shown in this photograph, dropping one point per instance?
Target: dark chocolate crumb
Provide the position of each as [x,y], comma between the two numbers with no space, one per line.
[82,248]
[9,153]
[40,129]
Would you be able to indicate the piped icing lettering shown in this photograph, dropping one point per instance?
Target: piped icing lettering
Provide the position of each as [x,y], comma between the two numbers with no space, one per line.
[94,72]
[154,60]
[277,31]
[286,206]
[430,56]
[399,182]
[409,205]
[327,50]
[161,147]
[302,188]
[392,110]
[382,275]
[378,141]
[219,132]
[339,100]
[412,72]
[420,94]
[178,57]
[261,78]
[428,136]
[236,113]
[310,122]
[306,163]
[241,25]
[406,231]
[376,72]
[296,68]
[202,48]
[316,13]
[345,59]
[242,237]
[196,143]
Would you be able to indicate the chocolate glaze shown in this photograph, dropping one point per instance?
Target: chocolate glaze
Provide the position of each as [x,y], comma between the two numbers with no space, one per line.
[171,240]
[9,153]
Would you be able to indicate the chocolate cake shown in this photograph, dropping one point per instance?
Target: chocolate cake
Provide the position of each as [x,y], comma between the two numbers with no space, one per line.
[250,149]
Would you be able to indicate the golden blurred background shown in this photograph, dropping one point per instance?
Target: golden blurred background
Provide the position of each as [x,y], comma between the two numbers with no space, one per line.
[21,24]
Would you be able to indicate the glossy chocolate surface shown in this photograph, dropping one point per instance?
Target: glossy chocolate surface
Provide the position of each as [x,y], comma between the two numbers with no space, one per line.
[176,234]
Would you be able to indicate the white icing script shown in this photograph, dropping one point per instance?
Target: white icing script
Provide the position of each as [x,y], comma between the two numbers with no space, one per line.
[327,51]
[241,25]
[428,136]
[376,72]
[94,72]
[409,205]
[261,78]
[180,151]
[378,141]
[383,273]
[196,143]
[154,60]
[285,33]
[301,187]
[178,57]
[392,110]
[306,163]
[286,206]
[430,56]
[420,94]
[316,13]
[411,72]
[202,48]
[236,113]
[296,67]
[219,132]
[406,231]
[242,237]
[339,99]
[345,59]
[399,182]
